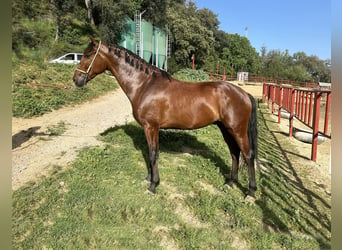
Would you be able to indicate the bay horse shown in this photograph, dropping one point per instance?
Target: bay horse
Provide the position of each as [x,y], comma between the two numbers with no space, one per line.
[160,101]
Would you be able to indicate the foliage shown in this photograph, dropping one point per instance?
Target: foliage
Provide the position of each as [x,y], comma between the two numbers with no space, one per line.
[109,17]
[189,36]
[100,202]
[50,30]
[298,67]
[191,75]
[236,52]
[34,89]
[43,30]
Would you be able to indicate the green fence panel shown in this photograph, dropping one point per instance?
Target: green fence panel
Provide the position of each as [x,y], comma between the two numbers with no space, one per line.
[128,38]
[153,41]
[147,34]
[159,47]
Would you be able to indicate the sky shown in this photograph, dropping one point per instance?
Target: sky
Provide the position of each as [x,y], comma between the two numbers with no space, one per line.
[296,25]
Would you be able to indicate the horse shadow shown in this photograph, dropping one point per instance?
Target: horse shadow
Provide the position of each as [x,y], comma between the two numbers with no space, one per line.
[23,136]
[283,171]
[177,142]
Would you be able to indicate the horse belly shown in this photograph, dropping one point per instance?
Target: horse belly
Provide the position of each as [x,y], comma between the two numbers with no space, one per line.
[189,117]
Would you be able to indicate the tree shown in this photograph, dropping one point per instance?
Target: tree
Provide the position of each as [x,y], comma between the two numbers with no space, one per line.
[189,35]
[208,19]
[155,11]
[109,17]
[240,55]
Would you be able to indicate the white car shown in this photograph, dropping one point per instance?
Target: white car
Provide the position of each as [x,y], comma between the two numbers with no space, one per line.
[70,58]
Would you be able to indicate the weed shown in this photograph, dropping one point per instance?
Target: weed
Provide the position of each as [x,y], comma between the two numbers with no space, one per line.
[58,129]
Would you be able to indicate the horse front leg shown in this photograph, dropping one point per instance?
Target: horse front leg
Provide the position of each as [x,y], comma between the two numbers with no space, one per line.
[152,137]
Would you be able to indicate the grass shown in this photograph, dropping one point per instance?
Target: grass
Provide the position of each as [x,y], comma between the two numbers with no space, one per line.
[56,130]
[34,91]
[100,201]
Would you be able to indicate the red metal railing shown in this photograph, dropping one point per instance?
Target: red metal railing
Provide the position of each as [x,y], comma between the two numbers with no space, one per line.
[232,76]
[303,104]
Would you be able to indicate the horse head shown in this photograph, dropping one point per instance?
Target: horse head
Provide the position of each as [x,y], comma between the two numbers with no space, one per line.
[92,63]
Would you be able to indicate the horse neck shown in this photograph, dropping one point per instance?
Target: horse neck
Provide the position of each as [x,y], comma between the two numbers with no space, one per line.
[130,71]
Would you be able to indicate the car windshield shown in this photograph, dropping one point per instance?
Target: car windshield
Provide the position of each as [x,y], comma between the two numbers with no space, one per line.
[79,56]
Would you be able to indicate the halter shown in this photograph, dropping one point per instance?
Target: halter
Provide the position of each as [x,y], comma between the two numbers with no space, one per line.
[91,64]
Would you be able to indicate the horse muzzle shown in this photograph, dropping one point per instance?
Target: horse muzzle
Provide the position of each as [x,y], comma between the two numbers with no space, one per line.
[81,80]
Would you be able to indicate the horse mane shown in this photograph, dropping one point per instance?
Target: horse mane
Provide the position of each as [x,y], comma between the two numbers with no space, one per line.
[139,63]
[89,47]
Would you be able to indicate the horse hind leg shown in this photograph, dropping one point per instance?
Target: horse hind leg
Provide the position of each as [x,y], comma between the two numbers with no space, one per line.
[234,152]
[251,174]
[235,146]
[249,158]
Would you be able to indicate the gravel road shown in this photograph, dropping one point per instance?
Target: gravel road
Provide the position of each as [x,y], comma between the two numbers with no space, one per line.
[34,152]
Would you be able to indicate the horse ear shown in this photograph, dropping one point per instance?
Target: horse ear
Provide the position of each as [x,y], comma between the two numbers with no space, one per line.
[93,40]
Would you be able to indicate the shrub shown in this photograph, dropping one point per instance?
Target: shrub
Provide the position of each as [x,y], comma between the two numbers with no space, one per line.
[191,75]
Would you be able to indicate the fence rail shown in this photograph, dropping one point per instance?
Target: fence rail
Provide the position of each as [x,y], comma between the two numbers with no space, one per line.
[303,104]
[232,76]
[301,99]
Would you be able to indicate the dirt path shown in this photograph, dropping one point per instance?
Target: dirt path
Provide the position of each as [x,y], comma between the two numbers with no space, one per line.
[35,152]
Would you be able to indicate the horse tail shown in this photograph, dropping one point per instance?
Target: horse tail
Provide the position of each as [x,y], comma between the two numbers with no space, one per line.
[253,131]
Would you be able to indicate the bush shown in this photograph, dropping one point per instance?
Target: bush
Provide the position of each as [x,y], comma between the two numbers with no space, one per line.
[191,75]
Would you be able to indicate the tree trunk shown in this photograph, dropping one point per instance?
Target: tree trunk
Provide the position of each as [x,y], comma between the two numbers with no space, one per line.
[57,11]
[57,32]
[89,4]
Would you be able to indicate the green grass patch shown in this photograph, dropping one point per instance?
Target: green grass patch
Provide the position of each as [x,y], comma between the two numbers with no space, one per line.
[100,201]
[34,91]
[56,130]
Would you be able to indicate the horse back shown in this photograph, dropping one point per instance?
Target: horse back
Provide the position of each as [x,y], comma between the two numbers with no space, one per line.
[185,105]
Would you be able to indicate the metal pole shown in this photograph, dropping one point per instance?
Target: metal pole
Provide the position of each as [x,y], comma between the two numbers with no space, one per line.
[217,70]
[292,91]
[315,126]
[166,49]
[157,52]
[141,37]
[327,110]
[193,61]
[224,73]
[231,76]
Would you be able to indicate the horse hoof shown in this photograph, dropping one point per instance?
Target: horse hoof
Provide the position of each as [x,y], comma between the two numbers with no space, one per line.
[152,190]
[250,199]
[145,181]
[149,193]
[231,184]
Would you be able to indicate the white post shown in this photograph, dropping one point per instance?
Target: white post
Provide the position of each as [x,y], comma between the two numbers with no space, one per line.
[153,46]
[157,52]
[142,44]
[166,43]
